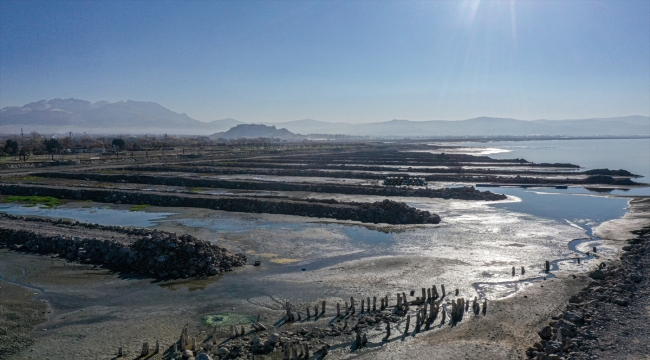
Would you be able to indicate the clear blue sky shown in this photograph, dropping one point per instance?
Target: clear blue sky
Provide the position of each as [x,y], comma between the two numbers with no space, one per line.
[352,61]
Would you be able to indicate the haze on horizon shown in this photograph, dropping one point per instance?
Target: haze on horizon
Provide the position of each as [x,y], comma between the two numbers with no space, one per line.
[337,61]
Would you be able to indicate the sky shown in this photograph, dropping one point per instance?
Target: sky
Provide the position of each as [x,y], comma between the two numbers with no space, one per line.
[346,61]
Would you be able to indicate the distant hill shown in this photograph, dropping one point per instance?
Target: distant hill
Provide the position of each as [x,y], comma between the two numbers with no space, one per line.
[482,126]
[255,131]
[63,115]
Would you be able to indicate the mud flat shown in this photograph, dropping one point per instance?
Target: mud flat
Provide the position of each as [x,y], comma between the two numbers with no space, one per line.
[19,314]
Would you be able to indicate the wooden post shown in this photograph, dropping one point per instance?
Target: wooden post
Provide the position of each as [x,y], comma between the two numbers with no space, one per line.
[435,292]
[120,352]
[408,322]
[374,304]
[387,329]
[594,248]
[338,310]
[399,300]
[484,306]
[547,266]
[442,287]
[362,305]
[145,349]
[456,292]
[513,271]
[315,312]
[308,313]
[347,309]
[157,348]
[424,294]
[386,301]
[428,294]
[368,303]
[444,316]
[523,270]
[323,308]
[352,309]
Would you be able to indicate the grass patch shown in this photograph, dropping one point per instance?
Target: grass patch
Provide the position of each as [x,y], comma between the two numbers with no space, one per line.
[196,189]
[139,207]
[227,319]
[24,178]
[46,201]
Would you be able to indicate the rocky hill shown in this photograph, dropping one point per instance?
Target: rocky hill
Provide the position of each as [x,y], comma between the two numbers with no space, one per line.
[255,131]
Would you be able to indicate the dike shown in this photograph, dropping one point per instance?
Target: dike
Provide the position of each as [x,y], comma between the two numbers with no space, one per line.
[460,193]
[154,253]
[390,212]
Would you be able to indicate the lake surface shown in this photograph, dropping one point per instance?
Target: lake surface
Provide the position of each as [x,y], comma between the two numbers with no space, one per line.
[94,214]
[628,154]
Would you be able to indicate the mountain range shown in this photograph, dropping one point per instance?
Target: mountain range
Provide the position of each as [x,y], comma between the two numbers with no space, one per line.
[133,117]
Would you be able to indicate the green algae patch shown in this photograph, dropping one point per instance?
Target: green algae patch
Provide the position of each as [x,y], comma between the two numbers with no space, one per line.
[139,207]
[45,201]
[227,319]
[196,189]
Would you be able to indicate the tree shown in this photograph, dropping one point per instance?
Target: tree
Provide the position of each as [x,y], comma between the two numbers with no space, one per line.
[24,153]
[11,147]
[119,143]
[51,146]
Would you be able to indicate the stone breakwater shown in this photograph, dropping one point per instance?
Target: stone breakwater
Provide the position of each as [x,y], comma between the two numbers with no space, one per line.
[462,193]
[367,175]
[137,250]
[386,211]
[608,318]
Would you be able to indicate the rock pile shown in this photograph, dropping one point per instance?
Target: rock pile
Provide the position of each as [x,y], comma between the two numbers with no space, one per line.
[387,211]
[601,316]
[156,253]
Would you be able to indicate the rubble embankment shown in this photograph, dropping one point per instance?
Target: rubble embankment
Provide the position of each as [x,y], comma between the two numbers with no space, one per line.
[608,318]
[390,212]
[346,174]
[124,249]
[461,193]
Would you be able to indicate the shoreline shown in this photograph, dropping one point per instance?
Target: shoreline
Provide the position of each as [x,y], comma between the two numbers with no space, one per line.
[509,327]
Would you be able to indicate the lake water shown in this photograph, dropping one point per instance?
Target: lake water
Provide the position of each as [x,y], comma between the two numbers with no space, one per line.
[628,154]
[95,215]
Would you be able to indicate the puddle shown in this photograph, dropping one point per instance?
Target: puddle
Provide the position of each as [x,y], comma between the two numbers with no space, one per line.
[95,215]
[227,319]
